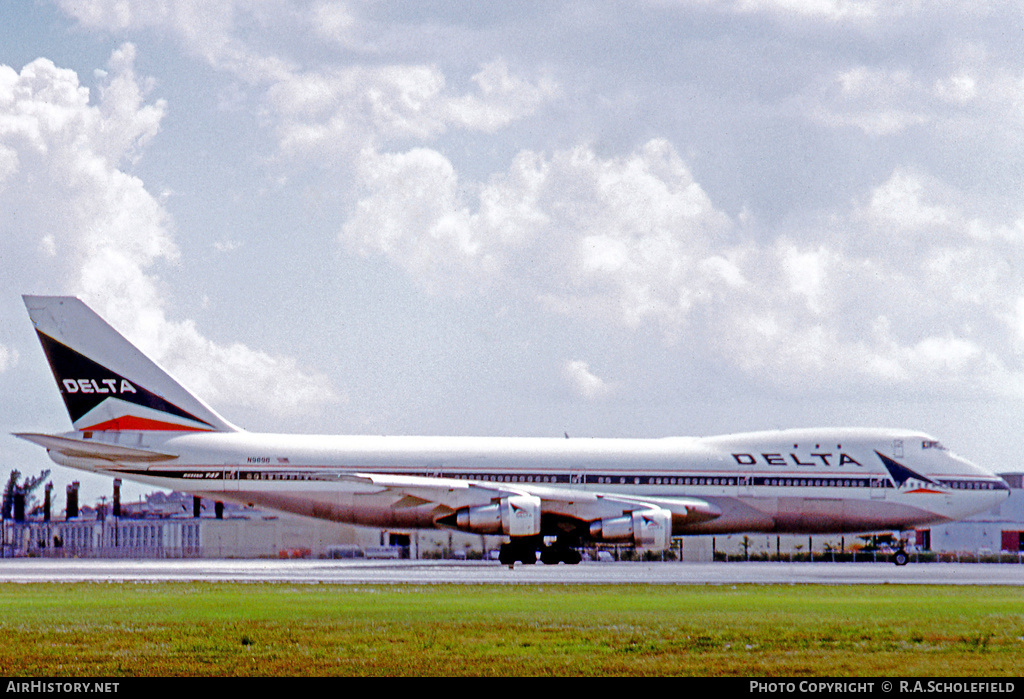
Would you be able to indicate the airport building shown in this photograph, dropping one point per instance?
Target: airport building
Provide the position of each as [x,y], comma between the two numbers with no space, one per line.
[998,529]
[176,525]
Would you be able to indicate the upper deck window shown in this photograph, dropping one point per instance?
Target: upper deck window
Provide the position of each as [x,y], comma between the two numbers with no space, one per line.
[932,444]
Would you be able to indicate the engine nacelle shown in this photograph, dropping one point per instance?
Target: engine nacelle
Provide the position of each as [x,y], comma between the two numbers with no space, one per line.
[482,519]
[649,529]
[515,515]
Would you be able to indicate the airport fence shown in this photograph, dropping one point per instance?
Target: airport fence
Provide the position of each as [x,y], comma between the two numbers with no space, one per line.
[101,552]
[1011,557]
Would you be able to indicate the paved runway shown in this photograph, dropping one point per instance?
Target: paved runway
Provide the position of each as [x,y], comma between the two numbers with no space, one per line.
[473,573]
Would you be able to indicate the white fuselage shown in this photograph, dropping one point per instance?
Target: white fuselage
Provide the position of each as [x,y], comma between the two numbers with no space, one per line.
[826,480]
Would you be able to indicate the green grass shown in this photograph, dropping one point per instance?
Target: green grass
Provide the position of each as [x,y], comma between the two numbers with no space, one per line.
[195,629]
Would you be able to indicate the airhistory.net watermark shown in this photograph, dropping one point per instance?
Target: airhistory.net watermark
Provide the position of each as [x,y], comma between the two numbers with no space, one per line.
[57,687]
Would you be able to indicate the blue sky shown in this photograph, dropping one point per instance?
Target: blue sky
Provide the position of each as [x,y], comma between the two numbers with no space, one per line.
[605,219]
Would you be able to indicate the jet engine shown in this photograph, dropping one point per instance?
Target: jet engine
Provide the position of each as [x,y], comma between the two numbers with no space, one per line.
[650,529]
[515,515]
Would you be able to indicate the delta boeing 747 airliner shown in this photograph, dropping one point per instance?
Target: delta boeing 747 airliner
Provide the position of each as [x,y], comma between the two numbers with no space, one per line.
[132,420]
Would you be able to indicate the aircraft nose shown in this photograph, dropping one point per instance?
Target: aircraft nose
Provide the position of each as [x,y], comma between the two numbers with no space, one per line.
[999,491]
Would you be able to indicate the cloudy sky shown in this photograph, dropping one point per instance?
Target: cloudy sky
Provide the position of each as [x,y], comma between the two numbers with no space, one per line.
[601,218]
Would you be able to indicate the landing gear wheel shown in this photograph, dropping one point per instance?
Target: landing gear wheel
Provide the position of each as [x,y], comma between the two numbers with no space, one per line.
[571,557]
[510,553]
[506,555]
[552,555]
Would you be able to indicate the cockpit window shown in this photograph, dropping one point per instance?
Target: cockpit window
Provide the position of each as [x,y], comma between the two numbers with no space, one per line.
[932,444]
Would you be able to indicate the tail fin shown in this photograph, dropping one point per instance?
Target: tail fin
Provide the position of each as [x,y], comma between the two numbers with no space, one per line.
[106,382]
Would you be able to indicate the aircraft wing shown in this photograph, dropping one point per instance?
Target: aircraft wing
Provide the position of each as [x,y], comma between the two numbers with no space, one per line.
[85,449]
[518,509]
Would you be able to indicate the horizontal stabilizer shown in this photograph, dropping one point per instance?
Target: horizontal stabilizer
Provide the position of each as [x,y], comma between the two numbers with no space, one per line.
[88,449]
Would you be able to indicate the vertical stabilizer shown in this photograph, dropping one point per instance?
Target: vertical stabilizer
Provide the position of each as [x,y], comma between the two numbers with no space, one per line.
[107,384]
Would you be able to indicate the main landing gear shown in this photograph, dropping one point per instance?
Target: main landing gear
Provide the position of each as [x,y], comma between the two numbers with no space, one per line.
[524,550]
[517,551]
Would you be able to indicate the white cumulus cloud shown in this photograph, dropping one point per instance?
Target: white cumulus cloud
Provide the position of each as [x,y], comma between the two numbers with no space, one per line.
[8,358]
[584,382]
[635,241]
[631,238]
[76,222]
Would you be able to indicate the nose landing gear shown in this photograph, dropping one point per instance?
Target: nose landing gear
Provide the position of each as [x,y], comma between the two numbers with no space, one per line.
[901,558]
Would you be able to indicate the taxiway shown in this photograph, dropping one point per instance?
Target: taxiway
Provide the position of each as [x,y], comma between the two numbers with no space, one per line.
[476,573]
